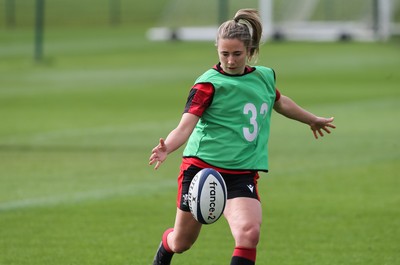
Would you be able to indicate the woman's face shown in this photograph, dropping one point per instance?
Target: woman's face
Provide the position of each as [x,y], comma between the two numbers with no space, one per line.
[233,56]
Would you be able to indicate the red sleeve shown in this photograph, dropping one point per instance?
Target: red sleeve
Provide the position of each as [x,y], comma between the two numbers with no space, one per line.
[278,95]
[199,99]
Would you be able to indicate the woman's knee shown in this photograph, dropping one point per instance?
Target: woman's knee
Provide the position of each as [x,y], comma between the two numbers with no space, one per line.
[244,216]
[248,235]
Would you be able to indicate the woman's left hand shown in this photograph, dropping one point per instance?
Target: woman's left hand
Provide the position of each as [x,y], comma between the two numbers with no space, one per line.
[320,125]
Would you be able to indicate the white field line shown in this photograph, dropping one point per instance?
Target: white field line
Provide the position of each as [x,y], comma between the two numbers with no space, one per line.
[145,189]
[42,137]
[71,198]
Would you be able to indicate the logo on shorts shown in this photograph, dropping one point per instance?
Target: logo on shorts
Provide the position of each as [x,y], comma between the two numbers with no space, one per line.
[251,188]
[185,198]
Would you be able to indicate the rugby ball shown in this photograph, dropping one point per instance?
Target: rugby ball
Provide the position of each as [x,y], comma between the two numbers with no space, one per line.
[207,196]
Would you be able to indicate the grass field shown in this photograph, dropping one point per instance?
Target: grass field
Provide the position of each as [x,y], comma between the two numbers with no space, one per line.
[76,132]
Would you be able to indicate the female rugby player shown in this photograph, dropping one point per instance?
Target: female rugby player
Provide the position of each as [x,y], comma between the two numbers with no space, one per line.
[226,125]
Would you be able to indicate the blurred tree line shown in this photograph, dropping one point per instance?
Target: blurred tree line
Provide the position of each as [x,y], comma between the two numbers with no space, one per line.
[80,13]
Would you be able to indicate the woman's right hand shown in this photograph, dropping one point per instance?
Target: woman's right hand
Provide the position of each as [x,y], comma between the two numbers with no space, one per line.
[158,154]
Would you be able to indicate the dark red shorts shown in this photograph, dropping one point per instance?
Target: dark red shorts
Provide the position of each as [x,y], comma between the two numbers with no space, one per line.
[238,185]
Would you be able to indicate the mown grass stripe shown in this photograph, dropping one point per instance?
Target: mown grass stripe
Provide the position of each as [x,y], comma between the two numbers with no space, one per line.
[142,189]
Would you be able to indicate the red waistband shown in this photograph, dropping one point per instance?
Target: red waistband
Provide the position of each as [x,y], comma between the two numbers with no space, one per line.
[200,163]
